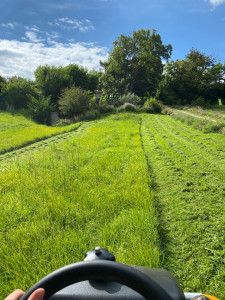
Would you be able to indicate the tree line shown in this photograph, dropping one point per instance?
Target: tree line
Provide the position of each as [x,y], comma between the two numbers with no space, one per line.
[138,67]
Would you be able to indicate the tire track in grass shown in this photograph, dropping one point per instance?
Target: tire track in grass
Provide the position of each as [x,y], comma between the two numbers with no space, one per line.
[189,195]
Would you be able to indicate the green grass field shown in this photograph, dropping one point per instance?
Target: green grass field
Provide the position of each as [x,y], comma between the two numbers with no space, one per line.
[17,131]
[125,182]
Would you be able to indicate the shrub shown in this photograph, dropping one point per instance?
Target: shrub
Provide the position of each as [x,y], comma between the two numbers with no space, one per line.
[18,92]
[92,114]
[93,102]
[63,122]
[106,109]
[40,109]
[73,101]
[103,100]
[127,107]
[200,101]
[129,98]
[152,106]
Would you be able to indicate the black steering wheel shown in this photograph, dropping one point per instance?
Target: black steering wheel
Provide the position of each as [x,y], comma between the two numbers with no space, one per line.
[99,270]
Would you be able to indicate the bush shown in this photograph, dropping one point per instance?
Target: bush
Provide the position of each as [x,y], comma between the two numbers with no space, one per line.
[73,101]
[127,107]
[40,109]
[106,109]
[63,122]
[93,102]
[92,114]
[103,100]
[200,101]
[152,106]
[18,92]
[129,98]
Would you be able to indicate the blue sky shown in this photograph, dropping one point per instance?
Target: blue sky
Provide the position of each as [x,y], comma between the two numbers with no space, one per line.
[56,32]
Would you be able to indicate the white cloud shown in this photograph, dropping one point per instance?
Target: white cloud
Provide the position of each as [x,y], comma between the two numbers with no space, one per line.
[32,37]
[216,2]
[32,28]
[22,58]
[72,24]
[9,25]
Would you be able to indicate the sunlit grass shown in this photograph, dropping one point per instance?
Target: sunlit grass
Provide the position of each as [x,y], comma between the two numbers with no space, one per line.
[92,189]
[16,131]
[188,175]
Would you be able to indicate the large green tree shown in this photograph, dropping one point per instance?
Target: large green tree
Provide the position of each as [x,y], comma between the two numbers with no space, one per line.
[3,84]
[135,64]
[18,92]
[184,81]
[51,81]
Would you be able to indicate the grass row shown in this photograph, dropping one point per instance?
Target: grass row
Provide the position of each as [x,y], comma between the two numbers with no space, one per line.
[203,124]
[189,175]
[208,120]
[212,111]
[92,189]
[17,131]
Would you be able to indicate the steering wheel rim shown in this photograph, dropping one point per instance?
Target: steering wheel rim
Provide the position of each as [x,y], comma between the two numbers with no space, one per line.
[99,270]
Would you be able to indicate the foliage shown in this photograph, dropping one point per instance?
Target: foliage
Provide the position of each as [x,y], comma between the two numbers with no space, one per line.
[152,106]
[103,100]
[40,109]
[199,101]
[93,102]
[127,68]
[105,109]
[18,92]
[129,98]
[92,114]
[3,84]
[51,81]
[63,122]
[196,76]
[80,77]
[73,101]
[127,107]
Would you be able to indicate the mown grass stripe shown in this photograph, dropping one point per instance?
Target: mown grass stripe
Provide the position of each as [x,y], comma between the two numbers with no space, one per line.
[190,202]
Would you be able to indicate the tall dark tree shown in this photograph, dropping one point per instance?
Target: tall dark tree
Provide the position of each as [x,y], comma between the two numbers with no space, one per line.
[3,84]
[51,81]
[18,93]
[135,64]
[196,76]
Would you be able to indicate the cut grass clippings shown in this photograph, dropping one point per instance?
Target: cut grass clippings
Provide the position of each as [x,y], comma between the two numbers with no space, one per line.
[189,175]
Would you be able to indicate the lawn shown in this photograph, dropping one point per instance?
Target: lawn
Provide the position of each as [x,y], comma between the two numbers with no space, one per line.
[189,173]
[17,130]
[91,189]
[125,182]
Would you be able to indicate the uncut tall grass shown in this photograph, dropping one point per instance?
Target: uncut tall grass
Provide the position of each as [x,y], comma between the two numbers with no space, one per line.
[92,189]
[17,130]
